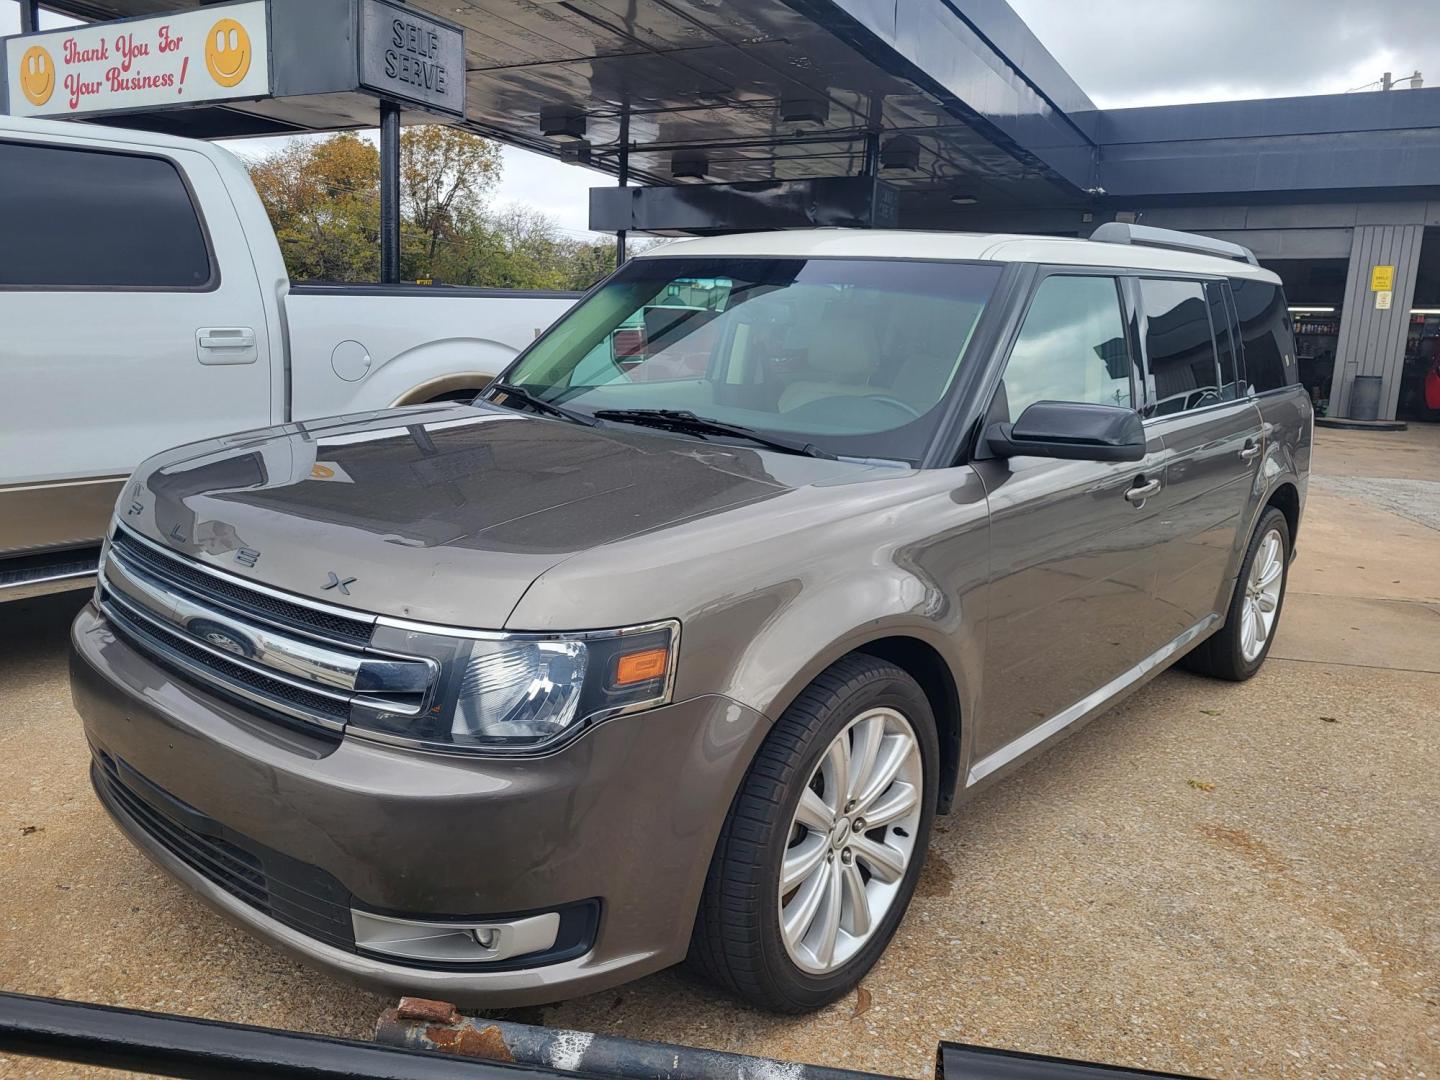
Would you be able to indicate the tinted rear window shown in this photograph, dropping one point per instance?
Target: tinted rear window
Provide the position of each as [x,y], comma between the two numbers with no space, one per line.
[88,219]
[1265,332]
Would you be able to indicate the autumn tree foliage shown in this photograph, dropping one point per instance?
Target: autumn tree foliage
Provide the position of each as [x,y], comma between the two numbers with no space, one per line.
[323,197]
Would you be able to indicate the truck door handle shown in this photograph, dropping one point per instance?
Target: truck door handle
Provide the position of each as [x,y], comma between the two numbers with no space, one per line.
[1251,450]
[225,345]
[1139,492]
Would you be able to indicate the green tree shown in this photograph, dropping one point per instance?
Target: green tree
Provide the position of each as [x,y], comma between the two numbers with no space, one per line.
[445,175]
[323,197]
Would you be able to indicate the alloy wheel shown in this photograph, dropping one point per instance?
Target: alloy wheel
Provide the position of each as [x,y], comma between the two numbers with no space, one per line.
[851,841]
[1262,596]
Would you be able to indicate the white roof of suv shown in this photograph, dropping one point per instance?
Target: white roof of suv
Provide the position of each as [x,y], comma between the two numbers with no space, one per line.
[940,246]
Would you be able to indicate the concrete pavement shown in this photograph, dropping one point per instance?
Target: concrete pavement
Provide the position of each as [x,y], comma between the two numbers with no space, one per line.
[1216,879]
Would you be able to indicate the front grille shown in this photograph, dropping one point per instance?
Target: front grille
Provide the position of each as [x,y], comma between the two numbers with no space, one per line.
[292,892]
[245,644]
[235,595]
[159,644]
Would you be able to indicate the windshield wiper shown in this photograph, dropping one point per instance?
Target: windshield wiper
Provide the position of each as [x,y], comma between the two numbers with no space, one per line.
[687,422]
[539,404]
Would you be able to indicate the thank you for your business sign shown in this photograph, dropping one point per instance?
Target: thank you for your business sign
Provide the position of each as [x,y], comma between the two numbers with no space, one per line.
[218,53]
[410,56]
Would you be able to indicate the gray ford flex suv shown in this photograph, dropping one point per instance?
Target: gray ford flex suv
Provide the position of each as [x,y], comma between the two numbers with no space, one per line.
[675,642]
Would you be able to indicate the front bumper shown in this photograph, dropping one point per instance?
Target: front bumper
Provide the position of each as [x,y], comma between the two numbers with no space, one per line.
[627,815]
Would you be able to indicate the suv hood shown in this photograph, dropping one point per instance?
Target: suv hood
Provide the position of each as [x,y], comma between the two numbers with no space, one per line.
[440,514]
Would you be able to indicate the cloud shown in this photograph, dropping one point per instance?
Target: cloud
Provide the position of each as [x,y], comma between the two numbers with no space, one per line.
[1127,53]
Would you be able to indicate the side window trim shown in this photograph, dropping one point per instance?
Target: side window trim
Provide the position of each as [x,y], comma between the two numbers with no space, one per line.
[210,284]
[1215,298]
[1233,314]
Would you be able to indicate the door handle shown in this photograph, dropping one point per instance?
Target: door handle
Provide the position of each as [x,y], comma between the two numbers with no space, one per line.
[1251,450]
[225,345]
[1142,491]
[236,337]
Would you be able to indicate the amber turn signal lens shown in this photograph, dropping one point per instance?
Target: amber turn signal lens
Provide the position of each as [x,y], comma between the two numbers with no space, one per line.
[638,667]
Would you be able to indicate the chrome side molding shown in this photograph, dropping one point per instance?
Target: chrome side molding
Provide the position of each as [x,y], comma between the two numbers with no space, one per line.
[1090,703]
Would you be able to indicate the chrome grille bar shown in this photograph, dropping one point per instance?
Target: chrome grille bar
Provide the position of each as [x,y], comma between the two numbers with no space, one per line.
[284,656]
[245,648]
[134,625]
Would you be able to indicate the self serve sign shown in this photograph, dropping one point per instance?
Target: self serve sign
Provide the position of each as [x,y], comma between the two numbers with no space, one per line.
[215,54]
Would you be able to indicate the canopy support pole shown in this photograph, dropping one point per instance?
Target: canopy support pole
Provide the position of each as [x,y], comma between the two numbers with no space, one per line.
[623,177]
[389,193]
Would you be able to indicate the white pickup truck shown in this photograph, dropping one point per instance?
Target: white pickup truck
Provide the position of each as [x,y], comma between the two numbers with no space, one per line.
[144,303]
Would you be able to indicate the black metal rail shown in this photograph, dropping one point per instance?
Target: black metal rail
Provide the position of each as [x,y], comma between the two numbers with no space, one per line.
[456,1048]
[165,1045]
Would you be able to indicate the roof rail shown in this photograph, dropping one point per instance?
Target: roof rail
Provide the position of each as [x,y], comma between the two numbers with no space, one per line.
[1118,232]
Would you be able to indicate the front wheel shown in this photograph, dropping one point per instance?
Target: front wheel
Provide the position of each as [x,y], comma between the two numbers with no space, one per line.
[1237,651]
[819,856]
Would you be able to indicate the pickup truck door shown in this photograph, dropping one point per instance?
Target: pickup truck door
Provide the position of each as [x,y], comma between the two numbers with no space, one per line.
[132,321]
[1197,406]
[1072,607]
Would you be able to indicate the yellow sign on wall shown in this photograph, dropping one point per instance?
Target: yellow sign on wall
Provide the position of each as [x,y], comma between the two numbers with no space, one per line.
[1382,279]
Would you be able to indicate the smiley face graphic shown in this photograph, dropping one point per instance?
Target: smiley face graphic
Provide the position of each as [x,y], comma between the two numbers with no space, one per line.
[37,75]
[227,52]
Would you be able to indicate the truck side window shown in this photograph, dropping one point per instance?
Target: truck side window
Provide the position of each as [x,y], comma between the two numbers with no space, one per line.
[1180,350]
[88,219]
[1071,347]
[1265,331]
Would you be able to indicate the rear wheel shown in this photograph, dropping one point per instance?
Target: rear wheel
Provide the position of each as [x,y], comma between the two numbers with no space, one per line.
[819,856]
[1237,651]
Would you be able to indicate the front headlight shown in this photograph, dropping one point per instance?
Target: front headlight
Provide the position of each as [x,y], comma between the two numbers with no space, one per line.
[523,692]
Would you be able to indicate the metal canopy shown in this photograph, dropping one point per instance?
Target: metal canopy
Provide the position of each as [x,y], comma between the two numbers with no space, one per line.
[702,75]
[991,128]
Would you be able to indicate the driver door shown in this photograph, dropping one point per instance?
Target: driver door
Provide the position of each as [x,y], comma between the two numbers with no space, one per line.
[1072,544]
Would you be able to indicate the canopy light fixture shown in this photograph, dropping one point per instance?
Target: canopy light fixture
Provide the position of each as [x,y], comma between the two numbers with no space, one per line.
[901,153]
[1300,309]
[562,122]
[688,165]
[803,108]
[576,153]
[960,198]
[1425,311]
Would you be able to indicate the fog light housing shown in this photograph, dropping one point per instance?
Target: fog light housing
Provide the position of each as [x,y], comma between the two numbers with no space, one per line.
[455,942]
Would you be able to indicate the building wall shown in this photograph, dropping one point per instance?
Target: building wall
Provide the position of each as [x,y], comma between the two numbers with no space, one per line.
[1372,340]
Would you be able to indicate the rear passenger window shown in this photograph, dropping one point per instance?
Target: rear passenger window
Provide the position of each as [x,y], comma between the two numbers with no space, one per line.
[1071,346]
[77,219]
[1225,346]
[1183,370]
[1265,331]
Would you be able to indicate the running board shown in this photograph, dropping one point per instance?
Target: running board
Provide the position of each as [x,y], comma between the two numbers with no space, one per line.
[1088,704]
[34,576]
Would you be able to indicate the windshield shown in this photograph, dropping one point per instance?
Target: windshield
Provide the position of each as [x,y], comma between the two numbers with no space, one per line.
[854,356]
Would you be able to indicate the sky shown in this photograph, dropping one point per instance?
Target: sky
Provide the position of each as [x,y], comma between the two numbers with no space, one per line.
[1122,53]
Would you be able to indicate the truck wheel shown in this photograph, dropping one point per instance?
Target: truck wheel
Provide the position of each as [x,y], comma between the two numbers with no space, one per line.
[1237,651]
[818,858]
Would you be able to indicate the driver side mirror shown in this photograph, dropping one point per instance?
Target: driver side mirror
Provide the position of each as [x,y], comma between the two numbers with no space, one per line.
[1075,431]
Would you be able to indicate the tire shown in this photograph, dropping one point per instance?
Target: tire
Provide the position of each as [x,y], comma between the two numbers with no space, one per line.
[1224,654]
[738,940]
